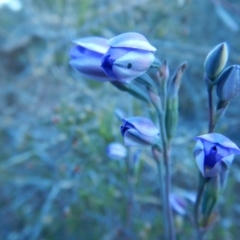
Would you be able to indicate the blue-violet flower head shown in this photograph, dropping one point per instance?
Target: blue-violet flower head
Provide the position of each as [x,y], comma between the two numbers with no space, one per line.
[130,55]
[214,153]
[139,131]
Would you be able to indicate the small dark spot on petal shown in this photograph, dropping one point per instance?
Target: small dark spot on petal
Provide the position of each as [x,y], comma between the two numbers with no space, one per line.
[129,65]
[214,148]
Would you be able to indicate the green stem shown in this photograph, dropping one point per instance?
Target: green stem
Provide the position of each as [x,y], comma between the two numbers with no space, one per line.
[202,180]
[167,180]
[201,187]
[166,154]
[130,194]
[163,196]
[211,124]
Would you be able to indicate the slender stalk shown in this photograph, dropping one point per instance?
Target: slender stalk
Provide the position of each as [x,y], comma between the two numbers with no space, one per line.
[167,161]
[130,194]
[202,180]
[211,124]
[166,153]
[163,197]
[201,187]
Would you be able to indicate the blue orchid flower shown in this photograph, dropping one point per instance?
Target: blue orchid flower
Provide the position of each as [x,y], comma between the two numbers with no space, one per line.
[130,55]
[139,131]
[214,154]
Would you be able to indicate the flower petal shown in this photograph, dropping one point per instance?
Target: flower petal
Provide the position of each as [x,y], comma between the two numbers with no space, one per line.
[218,168]
[143,125]
[88,64]
[228,160]
[221,140]
[96,44]
[132,65]
[131,40]
[199,156]
[134,138]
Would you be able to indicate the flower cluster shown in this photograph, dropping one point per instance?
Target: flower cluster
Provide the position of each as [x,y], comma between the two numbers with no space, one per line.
[122,58]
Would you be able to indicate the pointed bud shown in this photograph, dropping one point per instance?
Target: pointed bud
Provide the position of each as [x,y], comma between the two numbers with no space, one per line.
[216,60]
[175,83]
[163,73]
[228,86]
[171,118]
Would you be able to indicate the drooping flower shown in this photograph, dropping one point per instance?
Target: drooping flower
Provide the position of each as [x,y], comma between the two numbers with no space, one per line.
[86,57]
[130,55]
[228,86]
[116,151]
[214,153]
[139,131]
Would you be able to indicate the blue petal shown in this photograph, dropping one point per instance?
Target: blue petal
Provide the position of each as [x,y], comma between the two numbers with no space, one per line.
[88,63]
[131,40]
[217,138]
[95,44]
[143,125]
[134,138]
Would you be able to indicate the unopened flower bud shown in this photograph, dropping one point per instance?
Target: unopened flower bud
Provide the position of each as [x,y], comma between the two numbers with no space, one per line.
[139,131]
[216,60]
[228,86]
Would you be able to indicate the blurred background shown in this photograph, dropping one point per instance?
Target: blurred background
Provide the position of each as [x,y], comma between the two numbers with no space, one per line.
[56,180]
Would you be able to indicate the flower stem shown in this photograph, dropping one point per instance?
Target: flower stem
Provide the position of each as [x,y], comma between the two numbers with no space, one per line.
[130,194]
[166,153]
[202,180]
[167,179]
[162,196]
[211,125]
[201,187]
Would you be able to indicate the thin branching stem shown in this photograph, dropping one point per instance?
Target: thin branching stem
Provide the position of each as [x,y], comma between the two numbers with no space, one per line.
[167,180]
[130,193]
[202,180]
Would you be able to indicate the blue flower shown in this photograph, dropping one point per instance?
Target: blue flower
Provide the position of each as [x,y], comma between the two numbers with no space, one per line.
[139,131]
[116,151]
[214,154]
[86,57]
[130,55]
